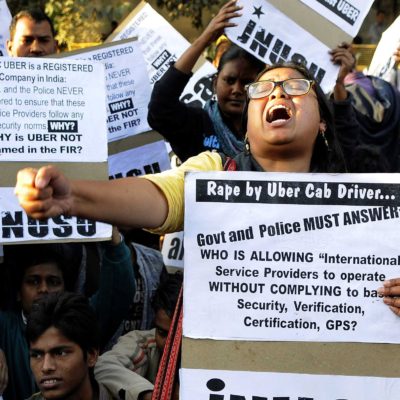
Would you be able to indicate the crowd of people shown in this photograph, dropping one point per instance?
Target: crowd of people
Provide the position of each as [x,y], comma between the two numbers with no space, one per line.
[90,320]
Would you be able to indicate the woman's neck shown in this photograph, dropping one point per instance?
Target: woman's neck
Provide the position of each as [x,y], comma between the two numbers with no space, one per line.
[299,164]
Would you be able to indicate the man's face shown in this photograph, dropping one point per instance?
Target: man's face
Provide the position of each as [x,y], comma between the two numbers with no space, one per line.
[162,324]
[32,39]
[38,281]
[60,368]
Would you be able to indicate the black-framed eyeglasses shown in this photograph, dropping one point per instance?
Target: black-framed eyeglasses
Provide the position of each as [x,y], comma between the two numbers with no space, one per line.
[292,87]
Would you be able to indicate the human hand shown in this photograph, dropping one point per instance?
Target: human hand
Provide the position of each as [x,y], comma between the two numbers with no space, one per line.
[3,372]
[391,293]
[43,193]
[343,56]
[221,21]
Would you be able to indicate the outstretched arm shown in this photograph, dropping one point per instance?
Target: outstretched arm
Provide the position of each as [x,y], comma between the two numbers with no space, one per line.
[132,202]
[214,29]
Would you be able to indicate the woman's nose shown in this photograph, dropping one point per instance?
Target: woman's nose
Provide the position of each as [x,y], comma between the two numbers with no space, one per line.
[278,93]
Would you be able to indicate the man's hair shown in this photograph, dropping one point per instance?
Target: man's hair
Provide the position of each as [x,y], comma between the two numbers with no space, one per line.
[71,314]
[34,14]
[167,293]
[67,256]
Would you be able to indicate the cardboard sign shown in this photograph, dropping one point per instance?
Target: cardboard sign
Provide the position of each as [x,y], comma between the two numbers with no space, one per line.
[383,62]
[264,256]
[348,15]
[161,45]
[148,159]
[264,31]
[128,90]
[212,384]
[5,20]
[47,108]
[16,226]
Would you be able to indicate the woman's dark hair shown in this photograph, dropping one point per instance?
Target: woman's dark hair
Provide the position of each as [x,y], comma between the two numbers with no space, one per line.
[323,159]
[71,314]
[234,52]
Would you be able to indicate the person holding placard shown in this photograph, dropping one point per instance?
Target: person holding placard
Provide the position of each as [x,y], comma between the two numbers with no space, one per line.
[191,130]
[289,129]
[367,116]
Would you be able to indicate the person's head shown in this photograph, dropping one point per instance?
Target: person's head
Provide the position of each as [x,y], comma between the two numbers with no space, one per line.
[63,337]
[236,69]
[164,303]
[298,125]
[32,34]
[40,269]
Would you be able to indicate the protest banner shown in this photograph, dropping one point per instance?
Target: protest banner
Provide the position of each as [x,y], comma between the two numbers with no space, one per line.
[347,15]
[148,159]
[287,270]
[47,109]
[16,226]
[209,384]
[383,63]
[271,273]
[173,250]
[263,30]
[161,45]
[5,20]
[128,89]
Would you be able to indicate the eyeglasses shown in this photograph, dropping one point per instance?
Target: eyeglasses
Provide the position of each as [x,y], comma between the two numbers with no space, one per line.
[292,87]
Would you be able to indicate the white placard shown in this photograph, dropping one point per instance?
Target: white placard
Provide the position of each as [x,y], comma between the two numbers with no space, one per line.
[290,257]
[382,64]
[128,88]
[5,20]
[348,15]
[149,159]
[219,385]
[52,110]
[16,226]
[273,37]
[172,250]
[161,45]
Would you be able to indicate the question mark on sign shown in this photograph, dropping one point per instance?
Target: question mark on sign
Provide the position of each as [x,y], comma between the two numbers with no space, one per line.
[354,323]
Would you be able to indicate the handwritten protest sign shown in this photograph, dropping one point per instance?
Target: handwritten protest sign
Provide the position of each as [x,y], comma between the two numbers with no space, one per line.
[273,37]
[290,258]
[128,88]
[47,108]
[161,45]
[5,20]
[211,384]
[149,159]
[383,63]
[16,226]
[348,15]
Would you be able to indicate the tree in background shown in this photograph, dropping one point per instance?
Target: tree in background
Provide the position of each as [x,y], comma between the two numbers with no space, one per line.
[82,21]
[189,8]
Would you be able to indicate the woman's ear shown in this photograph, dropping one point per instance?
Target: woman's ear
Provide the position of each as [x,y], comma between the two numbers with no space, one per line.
[322,126]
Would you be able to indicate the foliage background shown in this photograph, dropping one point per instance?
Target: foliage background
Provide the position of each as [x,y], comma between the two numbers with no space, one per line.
[83,21]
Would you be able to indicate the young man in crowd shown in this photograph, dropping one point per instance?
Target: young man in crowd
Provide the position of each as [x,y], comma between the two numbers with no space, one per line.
[32,34]
[41,269]
[129,370]
[63,338]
